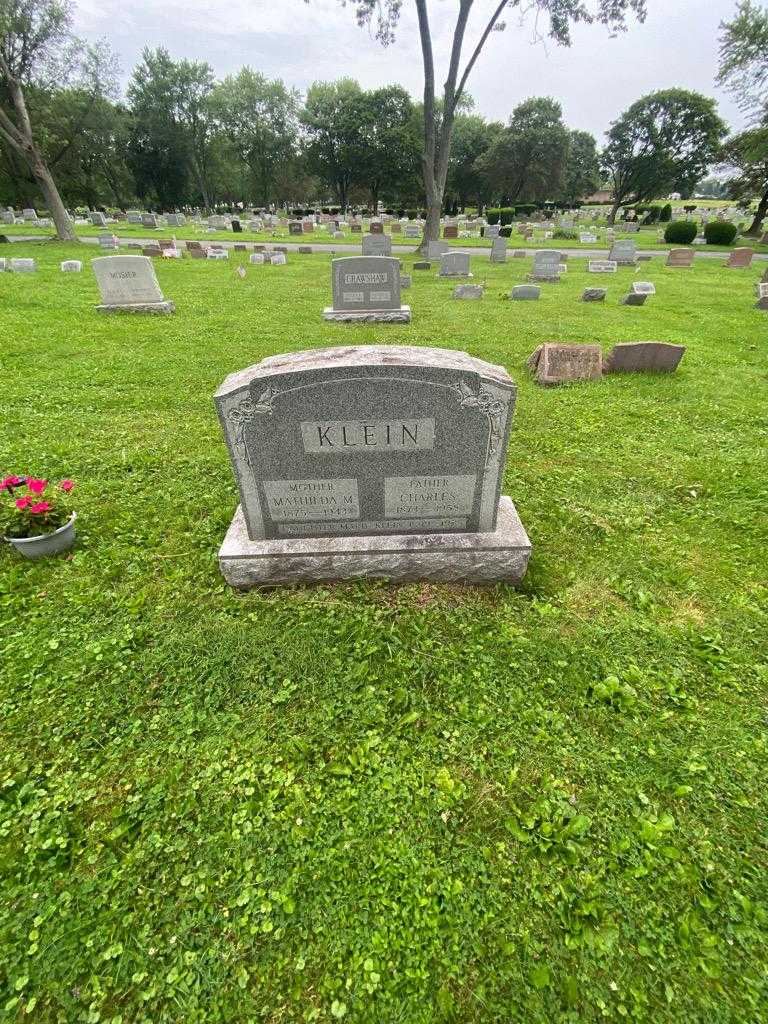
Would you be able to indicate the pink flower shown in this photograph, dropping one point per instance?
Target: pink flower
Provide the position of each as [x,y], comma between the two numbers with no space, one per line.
[23,502]
[40,506]
[11,481]
[67,485]
[36,486]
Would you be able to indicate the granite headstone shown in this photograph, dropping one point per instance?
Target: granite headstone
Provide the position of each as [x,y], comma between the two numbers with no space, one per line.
[332,448]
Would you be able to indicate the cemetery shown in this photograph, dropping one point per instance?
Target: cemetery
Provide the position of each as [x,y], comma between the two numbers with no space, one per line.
[384,606]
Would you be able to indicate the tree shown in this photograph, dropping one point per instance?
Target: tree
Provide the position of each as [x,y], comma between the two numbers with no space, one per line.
[582,167]
[260,119]
[747,154]
[37,49]
[384,15]
[743,67]
[332,118]
[527,160]
[663,143]
[171,137]
[90,164]
[392,148]
[472,137]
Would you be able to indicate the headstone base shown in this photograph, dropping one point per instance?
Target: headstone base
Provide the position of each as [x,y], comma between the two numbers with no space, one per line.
[138,307]
[368,316]
[498,557]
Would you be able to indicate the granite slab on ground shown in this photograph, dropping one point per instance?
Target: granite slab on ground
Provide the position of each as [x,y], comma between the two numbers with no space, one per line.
[500,556]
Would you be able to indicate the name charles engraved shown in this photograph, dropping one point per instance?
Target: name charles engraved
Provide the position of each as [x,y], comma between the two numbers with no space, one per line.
[367,436]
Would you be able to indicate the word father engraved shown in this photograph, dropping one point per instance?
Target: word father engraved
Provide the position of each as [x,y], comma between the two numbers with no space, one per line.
[330,436]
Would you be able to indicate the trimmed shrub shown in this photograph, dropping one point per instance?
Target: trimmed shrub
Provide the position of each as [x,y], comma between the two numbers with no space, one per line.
[720,232]
[681,232]
[665,215]
[525,209]
[566,234]
[411,214]
[500,214]
[506,231]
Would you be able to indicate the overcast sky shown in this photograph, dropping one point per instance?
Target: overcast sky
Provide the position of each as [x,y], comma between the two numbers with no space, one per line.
[595,79]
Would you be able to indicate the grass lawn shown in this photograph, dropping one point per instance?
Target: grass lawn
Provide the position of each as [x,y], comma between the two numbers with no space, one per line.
[374,804]
[646,238]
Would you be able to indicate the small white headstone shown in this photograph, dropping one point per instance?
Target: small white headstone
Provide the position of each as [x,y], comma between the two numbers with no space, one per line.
[256,257]
[71,266]
[278,259]
[602,266]
[23,266]
[643,288]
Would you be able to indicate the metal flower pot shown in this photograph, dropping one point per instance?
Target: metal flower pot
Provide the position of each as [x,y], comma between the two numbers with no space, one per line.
[47,543]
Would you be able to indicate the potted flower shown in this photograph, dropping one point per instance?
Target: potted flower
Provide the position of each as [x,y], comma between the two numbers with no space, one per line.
[37,520]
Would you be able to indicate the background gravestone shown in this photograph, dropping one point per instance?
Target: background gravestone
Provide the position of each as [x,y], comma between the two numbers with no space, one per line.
[377,245]
[499,250]
[370,461]
[554,363]
[454,264]
[129,284]
[525,292]
[366,289]
[546,265]
[643,357]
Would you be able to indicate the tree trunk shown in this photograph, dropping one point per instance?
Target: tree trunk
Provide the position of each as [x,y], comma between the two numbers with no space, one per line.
[21,139]
[65,229]
[762,209]
[612,214]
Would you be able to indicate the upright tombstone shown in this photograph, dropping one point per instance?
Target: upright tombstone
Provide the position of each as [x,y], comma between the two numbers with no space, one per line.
[546,265]
[129,284]
[624,252]
[366,289]
[370,461]
[762,296]
[71,266]
[98,220]
[435,249]
[491,230]
[451,231]
[554,363]
[295,228]
[175,220]
[29,214]
[454,264]
[412,231]
[740,258]
[376,228]
[499,250]
[680,258]
[634,299]
[134,217]
[643,357]
[148,220]
[377,245]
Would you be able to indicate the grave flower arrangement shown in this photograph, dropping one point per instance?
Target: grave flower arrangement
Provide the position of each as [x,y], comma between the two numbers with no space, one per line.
[37,517]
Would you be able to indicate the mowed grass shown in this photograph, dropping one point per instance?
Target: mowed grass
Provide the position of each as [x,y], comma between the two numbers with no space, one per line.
[646,238]
[371,803]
